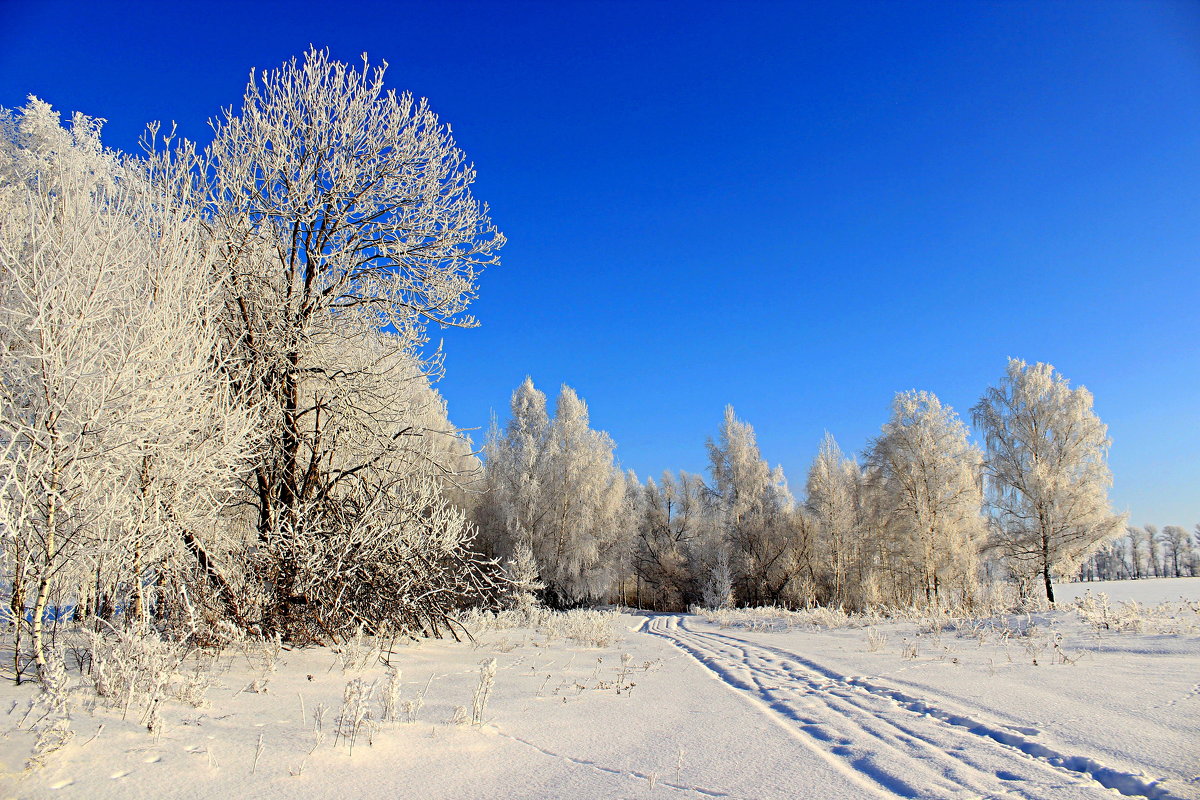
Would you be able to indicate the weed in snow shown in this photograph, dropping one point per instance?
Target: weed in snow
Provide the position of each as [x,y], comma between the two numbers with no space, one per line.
[487,680]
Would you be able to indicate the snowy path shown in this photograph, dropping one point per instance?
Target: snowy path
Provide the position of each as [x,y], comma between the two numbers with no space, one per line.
[896,744]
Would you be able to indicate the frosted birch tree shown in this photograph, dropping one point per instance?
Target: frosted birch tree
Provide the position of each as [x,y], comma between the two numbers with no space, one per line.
[1046,469]
[511,512]
[833,506]
[553,485]
[119,434]
[1178,549]
[1153,558]
[755,508]
[928,474]
[1194,553]
[584,497]
[1133,536]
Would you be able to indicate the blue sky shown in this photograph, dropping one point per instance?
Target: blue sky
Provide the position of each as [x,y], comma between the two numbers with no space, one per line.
[796,208]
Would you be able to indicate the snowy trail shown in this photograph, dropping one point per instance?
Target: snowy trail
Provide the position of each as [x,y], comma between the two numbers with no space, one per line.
[899,744]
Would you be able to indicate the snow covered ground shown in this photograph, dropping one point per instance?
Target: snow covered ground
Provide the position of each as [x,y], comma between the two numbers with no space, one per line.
[1148,590]
[745,705]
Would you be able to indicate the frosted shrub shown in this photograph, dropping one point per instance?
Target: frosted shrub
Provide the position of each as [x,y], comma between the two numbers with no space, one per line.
[586,626]
[773,618]
[355,716]
[876,641]
[623,682]
[1133,617]
[53,726]
[391,696]
[487,680]
[478,621]
[357,651]
[413,707]
[128,668]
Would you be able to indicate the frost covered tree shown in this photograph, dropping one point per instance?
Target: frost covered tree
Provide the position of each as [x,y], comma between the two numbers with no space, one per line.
[1153,557]
[584,499]
[1178,549]
[218,398]
[928,476]
[1133,536]
[834,507]
[676,543]
[553,485]
[755,509]
[511,512]
[1046,471]
[1194,554]
[522,572]
[120,438]
[345,224]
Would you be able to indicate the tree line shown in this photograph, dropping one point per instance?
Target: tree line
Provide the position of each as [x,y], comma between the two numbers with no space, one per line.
[1146,552]
[927,518]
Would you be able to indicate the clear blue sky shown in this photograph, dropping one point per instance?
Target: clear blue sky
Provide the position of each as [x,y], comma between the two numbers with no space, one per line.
[796,208]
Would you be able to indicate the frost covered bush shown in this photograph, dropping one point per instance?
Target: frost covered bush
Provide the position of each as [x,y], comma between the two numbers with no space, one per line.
[127,668]
[52,724]
[487,681]
[1132,617]
[591,627]
[391,696]
[773,618]
[586,626]
[141,671]
[358,651]
[876,641]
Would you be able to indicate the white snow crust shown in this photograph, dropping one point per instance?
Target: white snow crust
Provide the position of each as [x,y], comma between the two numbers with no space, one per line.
[741,705]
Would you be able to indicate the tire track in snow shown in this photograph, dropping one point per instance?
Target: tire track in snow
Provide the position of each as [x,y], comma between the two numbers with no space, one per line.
[905,745]
[1125,783]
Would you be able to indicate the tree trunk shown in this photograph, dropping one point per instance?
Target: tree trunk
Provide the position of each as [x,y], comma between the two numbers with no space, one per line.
[1046,559]
[43,590]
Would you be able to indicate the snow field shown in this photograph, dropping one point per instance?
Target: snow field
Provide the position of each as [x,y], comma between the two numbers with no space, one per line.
[1146,591]
[1040,705]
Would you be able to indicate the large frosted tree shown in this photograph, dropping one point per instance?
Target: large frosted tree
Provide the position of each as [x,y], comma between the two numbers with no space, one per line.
[928,476]
[1178,544]
[344,222]
[1047,474]
[585,501]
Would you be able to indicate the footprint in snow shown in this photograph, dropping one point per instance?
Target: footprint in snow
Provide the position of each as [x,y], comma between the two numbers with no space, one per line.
[153,759]
[1022,730]
[62,784]
[121,773]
